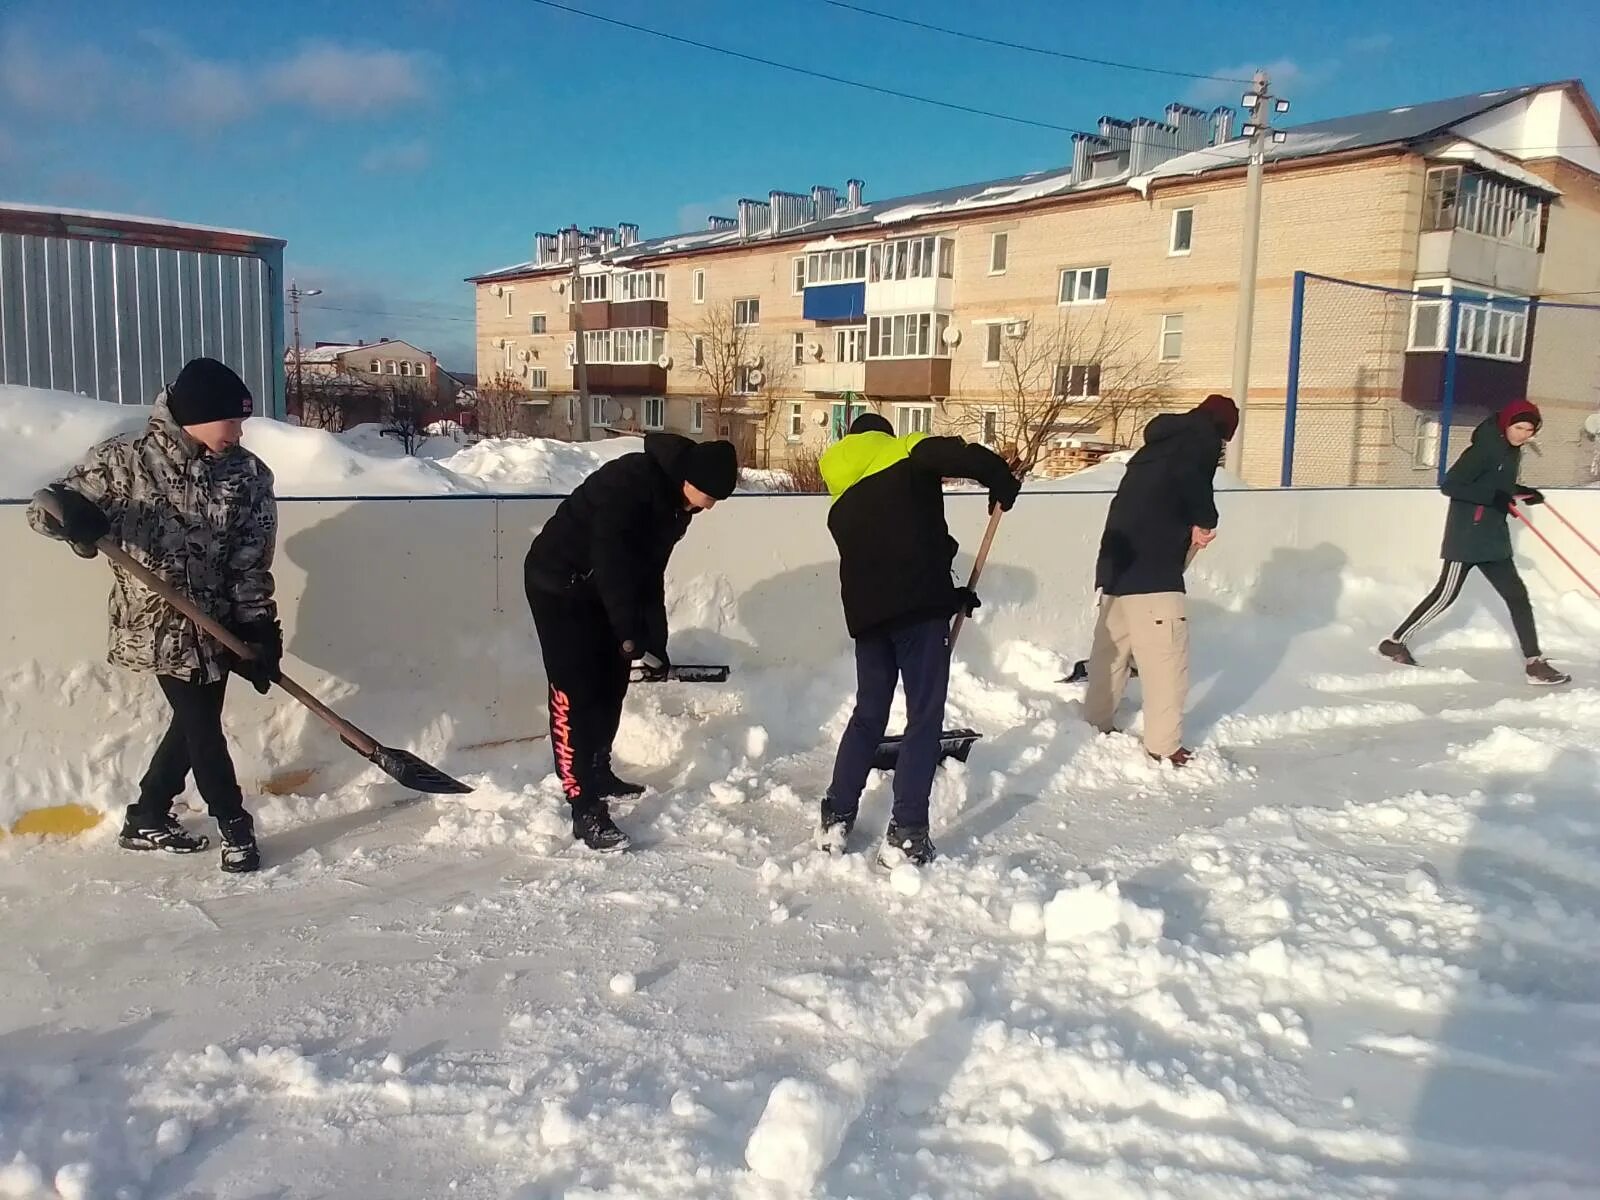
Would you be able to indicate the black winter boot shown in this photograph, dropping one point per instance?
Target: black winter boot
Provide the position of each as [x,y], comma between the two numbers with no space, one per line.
[594,827]
[167,834]
[906,843]
[833,829]
[240,854]
[608,786]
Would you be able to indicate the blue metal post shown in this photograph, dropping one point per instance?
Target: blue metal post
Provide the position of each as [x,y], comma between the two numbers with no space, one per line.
[1291,400]
[1447,404]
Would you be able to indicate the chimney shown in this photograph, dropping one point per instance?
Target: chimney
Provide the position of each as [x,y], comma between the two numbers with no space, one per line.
[569,243]
[853,189]
[755,217]
[1193,126]
[789,210]
[722,224]
[627,235]
[1084,147]
[546,249]
[824,202]
[1221,125]
[1152,143]
[603,236]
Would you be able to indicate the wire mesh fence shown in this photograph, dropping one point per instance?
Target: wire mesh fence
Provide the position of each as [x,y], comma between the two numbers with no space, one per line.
[1387,385]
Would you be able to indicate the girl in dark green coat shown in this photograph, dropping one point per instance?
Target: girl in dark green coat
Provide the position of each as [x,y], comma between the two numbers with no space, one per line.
[1482,486]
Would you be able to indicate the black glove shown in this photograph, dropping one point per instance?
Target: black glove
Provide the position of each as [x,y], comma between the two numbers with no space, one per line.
[1004,495]
[81,522]
[967,601]
[1530,496]
[1503,501]
[265,637]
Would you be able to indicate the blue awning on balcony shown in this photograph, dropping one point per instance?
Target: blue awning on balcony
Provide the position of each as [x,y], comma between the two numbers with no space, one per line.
[836,302]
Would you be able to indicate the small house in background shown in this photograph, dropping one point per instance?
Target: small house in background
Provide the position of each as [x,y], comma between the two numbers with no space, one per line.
[113,306]
[365,376]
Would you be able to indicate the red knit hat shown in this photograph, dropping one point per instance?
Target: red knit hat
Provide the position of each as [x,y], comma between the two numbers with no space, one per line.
[1519,412]
[1223,411]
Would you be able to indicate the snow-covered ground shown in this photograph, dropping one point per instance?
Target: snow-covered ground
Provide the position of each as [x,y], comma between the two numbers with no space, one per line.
[1353,951]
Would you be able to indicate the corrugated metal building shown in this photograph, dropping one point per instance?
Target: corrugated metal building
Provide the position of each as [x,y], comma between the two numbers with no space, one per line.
[113,306]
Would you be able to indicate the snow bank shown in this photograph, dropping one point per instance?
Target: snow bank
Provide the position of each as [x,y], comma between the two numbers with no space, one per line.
[1106,476]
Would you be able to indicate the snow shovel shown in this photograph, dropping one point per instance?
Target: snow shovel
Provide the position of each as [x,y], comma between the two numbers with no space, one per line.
[953,743]
[401,765]
[1080,669]
[652,670]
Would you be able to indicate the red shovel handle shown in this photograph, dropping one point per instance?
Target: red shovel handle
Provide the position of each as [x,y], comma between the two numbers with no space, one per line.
[1576,532]
[1518,513]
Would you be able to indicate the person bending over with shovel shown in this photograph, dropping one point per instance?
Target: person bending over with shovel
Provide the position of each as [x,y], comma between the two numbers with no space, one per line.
[1483,489]
[596,579]
[895,554]
[186,500]
[1164,511]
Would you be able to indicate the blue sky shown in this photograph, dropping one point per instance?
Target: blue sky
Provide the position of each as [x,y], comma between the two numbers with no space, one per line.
[400,147]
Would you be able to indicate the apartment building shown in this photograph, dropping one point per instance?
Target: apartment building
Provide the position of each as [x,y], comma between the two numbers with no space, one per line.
[1058,310]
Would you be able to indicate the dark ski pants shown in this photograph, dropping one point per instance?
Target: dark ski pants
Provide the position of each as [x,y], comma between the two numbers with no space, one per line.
[920,655]
[1502,576]
[588,681]
[194,743]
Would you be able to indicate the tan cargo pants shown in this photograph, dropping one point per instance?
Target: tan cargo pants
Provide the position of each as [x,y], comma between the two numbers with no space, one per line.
[1152,631]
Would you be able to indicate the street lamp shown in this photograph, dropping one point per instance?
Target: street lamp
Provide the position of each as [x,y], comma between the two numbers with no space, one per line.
[295,296]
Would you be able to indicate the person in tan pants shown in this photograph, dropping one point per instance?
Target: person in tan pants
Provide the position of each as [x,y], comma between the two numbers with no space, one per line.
[1163,513]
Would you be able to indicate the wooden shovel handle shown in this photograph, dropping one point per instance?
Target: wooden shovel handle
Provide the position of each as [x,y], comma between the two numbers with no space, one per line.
[977,568]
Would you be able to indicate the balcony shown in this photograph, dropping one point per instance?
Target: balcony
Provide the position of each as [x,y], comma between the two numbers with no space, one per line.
[835,302]
[627,379]
[627,314]
[834,378]
[911,295]
[909,377]
[1474,258]
[596,314]
[912,275]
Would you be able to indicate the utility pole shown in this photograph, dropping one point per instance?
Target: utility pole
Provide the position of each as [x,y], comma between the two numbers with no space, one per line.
[295,295]
[1260,104]
[580,366]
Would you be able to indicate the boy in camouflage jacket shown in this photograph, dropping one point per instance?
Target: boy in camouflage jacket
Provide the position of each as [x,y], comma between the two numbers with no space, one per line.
[186,500]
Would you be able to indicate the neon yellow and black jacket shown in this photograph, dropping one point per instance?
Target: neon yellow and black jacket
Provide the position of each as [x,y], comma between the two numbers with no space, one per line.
[888,522]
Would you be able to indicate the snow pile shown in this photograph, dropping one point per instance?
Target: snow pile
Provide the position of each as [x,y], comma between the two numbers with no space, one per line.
[42,433]
[1106,476]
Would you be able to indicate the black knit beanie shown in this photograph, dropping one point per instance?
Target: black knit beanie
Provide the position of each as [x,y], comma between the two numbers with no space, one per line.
[207,390]
[871,423]
[713,467]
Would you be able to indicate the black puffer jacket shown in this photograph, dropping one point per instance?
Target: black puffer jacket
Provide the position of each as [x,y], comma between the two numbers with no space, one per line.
[1476,529]
[614,535]
[1166,491]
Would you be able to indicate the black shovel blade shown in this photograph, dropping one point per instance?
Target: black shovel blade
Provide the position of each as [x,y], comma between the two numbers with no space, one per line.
[681,673]
[1080,672]
[953,743]
[411,772]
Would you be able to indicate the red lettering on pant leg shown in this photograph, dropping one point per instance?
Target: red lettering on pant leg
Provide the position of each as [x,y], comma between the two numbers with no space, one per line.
[561,739]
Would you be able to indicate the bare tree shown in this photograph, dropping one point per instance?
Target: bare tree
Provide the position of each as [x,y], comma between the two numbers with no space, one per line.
[736,369]
[409,409]
[1086,371]
[503,409]
[329,401]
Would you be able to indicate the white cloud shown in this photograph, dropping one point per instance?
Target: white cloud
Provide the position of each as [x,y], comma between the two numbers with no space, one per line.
[339,81]
[1285,73]
[64,82]
[403,156]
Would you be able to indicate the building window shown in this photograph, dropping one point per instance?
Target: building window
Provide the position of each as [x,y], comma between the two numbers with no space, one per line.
[797,419]
[1182,236]
[747,312]
[539,379]
[420,370]
[697,415]
[405,368]
[1489,324]
[911,258]
[836,266]
[1084,285]
[1478,202]
[597,411]
[507,351]
[624,347]
[377,367]
[908,335]
[642,285]
[745,380]
[596,287]
[999,245]
[992,338]
[841,416]
[799,349]
[850,344]
[799,274]
[572,412]
[655,412]
[1078,382]
[699,352]
[913,418]
[508,303]
[539,323]
[1172,337]
[393,368]
[699,287]
[991,427]
[1425,450]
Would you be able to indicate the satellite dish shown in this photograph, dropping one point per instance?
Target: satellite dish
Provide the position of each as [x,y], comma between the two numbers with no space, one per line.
[756,378]
[952,336]
[1591,424]
[664,362]
[627,414]
[821,418]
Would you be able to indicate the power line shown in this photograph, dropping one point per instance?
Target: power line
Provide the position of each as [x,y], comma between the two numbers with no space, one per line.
[783,66]
[383,312]
[1044,50]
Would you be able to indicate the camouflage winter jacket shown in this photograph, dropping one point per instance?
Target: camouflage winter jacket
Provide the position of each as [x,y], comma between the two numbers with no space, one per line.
[206,523]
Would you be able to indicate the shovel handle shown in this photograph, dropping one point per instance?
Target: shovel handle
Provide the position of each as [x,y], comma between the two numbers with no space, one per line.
[977,568]
[354,737]
[1575,531]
